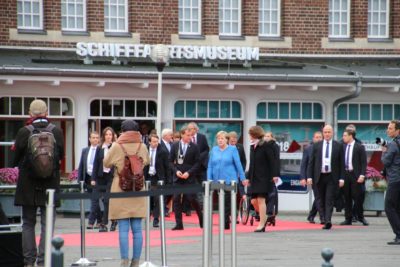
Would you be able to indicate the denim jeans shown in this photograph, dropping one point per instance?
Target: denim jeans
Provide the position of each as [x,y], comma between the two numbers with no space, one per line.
[136,226]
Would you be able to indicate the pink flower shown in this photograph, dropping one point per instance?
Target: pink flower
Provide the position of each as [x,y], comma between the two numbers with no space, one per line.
[73,176]
[9,176]
[373,174]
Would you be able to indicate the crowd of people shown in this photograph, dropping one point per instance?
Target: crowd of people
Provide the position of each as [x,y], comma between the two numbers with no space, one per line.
[184,158]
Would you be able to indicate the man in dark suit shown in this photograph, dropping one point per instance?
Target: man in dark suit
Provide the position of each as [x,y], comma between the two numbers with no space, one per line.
[157,170]
[85,173]
[201,141]
[316,207]
[166,141]
[327,171]
[355,162]
[185,156]
[233,141]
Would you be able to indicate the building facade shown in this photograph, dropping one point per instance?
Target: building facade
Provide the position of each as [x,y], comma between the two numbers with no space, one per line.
[289,66]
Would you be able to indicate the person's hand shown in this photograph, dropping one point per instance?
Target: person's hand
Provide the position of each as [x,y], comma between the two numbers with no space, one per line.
[275,179]
[185,175]
[244,197]
[341,183]
[309,181]
[303,182]
[384,149]
[179,174]
[92,183]
[360,179]
[246,182]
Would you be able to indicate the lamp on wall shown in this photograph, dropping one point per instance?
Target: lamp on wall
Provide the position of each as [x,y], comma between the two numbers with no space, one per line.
[159,55]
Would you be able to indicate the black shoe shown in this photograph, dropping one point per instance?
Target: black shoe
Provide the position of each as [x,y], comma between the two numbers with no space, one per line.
[346,222]
[226,226]
[156,223]
[90,226]
[271,220]
[261,230]
[113,226]
[327,226]
[310,219]
[177,227]
[363,221]
[354,219]
[103,228]
[396,241]
[322,222]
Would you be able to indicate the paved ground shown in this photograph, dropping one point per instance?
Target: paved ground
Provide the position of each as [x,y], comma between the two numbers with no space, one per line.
[355,246]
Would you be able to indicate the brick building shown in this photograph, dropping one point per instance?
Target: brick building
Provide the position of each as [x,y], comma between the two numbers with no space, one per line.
[287,65]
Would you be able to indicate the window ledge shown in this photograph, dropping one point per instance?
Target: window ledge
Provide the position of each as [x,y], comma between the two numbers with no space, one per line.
[340,39]
[26,31]
[118,34]
[75,33]
[380,40]
[266,38]
[194,36]
[226,37]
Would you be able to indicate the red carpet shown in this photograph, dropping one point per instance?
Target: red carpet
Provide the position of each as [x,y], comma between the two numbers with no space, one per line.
[192,229]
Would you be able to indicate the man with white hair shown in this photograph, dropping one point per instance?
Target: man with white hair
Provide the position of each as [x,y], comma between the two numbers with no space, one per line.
[166,139]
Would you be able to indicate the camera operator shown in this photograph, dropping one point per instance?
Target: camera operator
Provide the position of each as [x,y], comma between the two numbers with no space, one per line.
[391,161]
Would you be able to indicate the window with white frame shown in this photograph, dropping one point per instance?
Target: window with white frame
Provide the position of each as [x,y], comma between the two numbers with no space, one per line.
[339,18]
[269,18]
[378,18]
[73,15]
[190,17]
[30,14]
[116,15]
[230,17]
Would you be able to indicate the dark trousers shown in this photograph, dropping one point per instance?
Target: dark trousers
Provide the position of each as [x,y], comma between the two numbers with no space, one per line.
[392,207]
[353,192]
[95,211]
[105,187]
[316,206]
[29,248]
[327,187]
[272,202]
[192,198]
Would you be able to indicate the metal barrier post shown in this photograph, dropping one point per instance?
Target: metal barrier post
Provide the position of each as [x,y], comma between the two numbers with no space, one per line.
[162,228]
[233,223]
[221,207]
[210,227]
[57,255]
[310,197]
[206,226]
[147,262]
[49,226]
[83,261]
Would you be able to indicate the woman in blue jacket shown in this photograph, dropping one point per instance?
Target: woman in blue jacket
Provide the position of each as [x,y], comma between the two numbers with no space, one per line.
[224,164]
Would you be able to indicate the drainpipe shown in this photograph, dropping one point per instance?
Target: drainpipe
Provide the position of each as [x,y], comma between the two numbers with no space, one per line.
[355,94]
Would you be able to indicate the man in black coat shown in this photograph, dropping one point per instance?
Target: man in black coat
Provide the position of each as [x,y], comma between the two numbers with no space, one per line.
[31,189]
[157,170]
[355,162]
[185,157]
[304,179]
[327,171]
[201,141]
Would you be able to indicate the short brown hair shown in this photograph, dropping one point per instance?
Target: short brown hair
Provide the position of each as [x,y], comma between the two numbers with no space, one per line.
[184,129]
[153,136]
[350,131]
[256,132]
[396,124]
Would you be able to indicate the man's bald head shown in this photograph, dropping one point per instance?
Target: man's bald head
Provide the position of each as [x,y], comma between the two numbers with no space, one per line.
[327,132]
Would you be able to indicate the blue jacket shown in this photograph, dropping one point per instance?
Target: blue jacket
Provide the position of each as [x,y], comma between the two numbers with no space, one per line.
[391,160]
[225,165]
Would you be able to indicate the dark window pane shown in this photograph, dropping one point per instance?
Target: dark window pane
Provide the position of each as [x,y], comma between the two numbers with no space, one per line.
[179,109]
[225,109]
[272,111]
[306,111]
[317,111]
[67,107]
[376,112]
[353,112]
[27,103]
[295,111]
[201,109]
[397,112]
[16,106]
[141,108]
[129,108]
[55,107]
[342,112]
[152,109]
[9,129]
[236,110]
[106,108]
[94,108]
[262,111]
[387,112]
[284,110]
[213,109]
[118,108]
[4,105]
[190,109]
[364,112]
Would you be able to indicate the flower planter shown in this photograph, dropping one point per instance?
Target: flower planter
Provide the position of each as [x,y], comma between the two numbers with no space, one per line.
[374,201]
[7,202]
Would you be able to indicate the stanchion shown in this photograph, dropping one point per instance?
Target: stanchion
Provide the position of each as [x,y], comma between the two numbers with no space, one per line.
[206,225]
[233,223]
[162,228]
[310,197]
[49,226]
[210,227]
[83,261]
[147,262]
[221,207]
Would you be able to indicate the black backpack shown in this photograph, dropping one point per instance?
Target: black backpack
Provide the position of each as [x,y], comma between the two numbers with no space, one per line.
[41,151]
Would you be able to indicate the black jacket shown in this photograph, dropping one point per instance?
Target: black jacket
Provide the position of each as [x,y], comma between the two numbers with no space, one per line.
[242,155]
[359,159]
[98,173]
[161,166]
[204,150]
[31,191]
[82,169]
[191,162]
[305,162]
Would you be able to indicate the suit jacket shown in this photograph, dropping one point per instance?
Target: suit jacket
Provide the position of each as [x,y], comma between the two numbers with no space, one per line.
[98,169]
[277,156]
[171,166]
[305,162]
[82,169]
[161,166]
[191,162]
[204,149]
[337,161]
[242,155]
[359,159]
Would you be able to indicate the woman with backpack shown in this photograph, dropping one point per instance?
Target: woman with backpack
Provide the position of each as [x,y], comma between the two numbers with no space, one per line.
[129,212]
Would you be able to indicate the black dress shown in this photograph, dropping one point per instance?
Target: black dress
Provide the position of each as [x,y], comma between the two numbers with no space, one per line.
[262,169]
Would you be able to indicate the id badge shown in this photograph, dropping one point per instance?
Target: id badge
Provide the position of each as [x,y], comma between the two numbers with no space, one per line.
[180,160]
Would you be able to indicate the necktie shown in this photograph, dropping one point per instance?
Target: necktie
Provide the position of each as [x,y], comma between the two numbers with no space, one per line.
[347,157]
[152,157]
[194,139]
[93,152]
[327,155]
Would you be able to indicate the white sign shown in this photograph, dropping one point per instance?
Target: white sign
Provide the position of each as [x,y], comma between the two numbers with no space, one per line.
[176,51]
